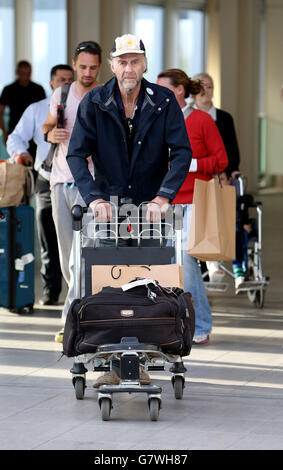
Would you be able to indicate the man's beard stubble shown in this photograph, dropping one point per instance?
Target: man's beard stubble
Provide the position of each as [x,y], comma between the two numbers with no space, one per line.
[129,88]
[86,84]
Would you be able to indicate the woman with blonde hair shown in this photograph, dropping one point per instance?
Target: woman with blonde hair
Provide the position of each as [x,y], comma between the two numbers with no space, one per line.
[224,121]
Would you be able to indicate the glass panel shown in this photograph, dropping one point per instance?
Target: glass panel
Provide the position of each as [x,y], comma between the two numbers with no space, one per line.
[49,38]
[7,44]
[274,144]
[149,26]
[191,41]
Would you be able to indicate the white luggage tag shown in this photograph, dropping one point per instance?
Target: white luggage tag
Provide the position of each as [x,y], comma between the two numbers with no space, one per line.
[139,282]
[21,262]
[142,282]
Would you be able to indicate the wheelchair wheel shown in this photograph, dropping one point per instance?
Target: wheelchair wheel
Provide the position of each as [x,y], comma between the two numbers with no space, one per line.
[259,298]
[251,277]
[251,295]
[256,297]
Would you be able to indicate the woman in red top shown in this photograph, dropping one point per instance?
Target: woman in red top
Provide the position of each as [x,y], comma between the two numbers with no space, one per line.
[209,159]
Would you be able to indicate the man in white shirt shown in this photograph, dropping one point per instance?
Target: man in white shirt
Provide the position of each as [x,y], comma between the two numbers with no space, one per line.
[29,127]
[64,192]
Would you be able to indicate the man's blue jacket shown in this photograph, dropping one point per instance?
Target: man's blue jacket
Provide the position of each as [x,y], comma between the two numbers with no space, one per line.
[161,152]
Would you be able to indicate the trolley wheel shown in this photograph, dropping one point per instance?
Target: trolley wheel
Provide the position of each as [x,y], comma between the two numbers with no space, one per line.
[178,385]
[154,407]
[105,408]
[79,385]
[26,309]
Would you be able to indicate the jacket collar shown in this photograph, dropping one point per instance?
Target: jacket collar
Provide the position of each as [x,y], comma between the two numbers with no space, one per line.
[153,97]
[104,95]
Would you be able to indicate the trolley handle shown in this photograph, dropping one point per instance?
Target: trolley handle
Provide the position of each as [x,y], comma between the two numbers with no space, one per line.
[77,217]
[78,212]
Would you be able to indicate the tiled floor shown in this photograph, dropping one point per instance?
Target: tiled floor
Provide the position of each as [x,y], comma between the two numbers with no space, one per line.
[234,385]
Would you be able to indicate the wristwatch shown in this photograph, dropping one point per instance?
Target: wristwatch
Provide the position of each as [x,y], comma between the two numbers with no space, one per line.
[45,136]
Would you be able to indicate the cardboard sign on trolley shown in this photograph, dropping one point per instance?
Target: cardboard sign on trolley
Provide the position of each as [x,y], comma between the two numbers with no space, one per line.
[168,275]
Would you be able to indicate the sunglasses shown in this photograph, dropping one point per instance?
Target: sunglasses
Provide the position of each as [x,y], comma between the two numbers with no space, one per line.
[87,45]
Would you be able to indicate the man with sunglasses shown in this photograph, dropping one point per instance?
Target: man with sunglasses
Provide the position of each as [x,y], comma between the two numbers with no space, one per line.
[64,192]
[135,133]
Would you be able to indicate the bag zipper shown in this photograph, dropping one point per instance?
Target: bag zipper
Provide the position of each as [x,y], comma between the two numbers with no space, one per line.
[150,320]
[131,303]
[96,302]
[96,345]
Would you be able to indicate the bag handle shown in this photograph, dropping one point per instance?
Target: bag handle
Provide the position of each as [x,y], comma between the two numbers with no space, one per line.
[4,180]
[64,94]
[29,182]
[219,180]
[47,163]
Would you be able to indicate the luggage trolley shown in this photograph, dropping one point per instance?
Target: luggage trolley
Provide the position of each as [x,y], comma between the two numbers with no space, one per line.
[130,351]
[255,282]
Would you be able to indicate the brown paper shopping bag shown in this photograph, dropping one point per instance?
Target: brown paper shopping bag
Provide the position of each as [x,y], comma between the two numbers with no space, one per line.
[12,183]
[212,235]
[168,275]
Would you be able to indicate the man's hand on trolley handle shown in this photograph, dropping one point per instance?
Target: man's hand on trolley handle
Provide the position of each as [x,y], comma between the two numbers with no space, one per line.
[158,206]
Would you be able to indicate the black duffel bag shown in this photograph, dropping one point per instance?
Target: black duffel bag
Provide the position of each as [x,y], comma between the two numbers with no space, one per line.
[154,314]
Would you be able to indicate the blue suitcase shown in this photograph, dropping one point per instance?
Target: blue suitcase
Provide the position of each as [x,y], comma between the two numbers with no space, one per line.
[17,258]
